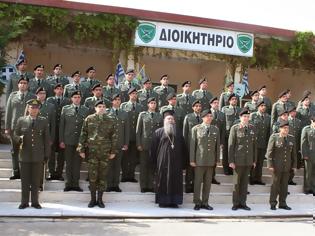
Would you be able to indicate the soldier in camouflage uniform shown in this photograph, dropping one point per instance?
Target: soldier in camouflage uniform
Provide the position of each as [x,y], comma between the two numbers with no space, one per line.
[163,90]
[190,121]
[109,90]
[123,133]
[202,94]
[99,137]
[57,77]
[252,105]
[281,158]
[263,97]
[185,99]
[14,110]
[146,93]
[204,154]
[148,122]
[97,96]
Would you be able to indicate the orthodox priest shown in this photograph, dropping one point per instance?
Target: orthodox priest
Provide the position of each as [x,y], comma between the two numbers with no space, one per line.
[168,154]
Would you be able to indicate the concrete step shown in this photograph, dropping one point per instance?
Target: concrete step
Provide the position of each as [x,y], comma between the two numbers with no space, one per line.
[135,187]
[84,197]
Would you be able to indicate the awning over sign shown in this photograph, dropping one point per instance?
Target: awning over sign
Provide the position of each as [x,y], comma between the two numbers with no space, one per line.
[184,37]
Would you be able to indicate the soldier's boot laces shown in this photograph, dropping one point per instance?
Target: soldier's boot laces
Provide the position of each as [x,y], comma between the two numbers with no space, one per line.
[100,202]
[93,202]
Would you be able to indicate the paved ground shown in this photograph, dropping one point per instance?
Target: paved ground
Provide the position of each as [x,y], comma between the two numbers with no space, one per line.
[46,227]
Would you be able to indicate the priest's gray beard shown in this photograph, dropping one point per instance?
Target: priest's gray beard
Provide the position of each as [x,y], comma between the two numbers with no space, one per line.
[169,128]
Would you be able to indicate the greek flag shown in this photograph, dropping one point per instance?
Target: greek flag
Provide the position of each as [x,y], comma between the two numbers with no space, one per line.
[20,58]
[119,74]
[245,83]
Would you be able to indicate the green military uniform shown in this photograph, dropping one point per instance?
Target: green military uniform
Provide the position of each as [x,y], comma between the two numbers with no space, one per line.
[190,121]
[251,106]
[231,115]
[308,150]
[12,84]
[261,122]
[123,134]
[223,100]
[282,158]
[277,108]
[185,101]
[147,123]
[267,102]
[204,96]
[35,83]
[53,80]
[33,134]
[71,121]
[90,102]
[15,109]
[108,92]
[144,95]
[124,88]
[205,152]
[99,139]
[162,92]
[88,83]
[243,153]
[70,88]
[56,170]
[130,159]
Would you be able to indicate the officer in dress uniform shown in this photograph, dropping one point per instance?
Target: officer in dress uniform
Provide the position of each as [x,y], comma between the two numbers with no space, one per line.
[204,154]
[224,97]
[76,86]
[252,105]
[185,99]
[97,91]
[123,134]
[57,76]
[40,81]
[305,111]
[277,107]
[263,97]
[281,158]
[202,94]
[32,133]
[190,121]
[90,80]
[148,122]
[71,120]
[163,90]
[146,93]
[110,89]
[127,84]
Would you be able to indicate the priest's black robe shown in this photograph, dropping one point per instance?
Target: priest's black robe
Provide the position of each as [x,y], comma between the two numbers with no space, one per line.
[169,165]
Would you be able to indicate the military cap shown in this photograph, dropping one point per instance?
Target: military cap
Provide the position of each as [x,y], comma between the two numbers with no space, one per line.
[22,77]
[57,65]
[33,102]
[98,85]
[89,69]
[196,102]
[59,85]
[202,80]
[165,75]
[253,93]
[293,108]
[151,99]
[186,82]
[213,99]
[168,112]
[170,96]
[232,95]
[245,111]
[39,66]
[20,61]
[99,102]
[262,87]
[261,102]
[130,71]
[146,80]
[283,123]
[40,89]
[229,84]
[116,95]
[76,73]
[283,112]
[283,93]
[109,75]
[306,96]
[131,90]
[205,112]
[77,92]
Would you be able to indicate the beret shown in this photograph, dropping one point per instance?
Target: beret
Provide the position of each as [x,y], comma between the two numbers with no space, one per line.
[131,90]
[98,85]
[39,66]
[77,92]
[33,102]
[186,82]
[116,95]
[232,95]
[89,69]
[245,111]
[59,85]
[109,75]
[196,102]
[283,123]
[151,99]
[22,77]
[99,102]
[40,89]
[205,112]
[213,99]
[57,65]
[170,96]
[75,73]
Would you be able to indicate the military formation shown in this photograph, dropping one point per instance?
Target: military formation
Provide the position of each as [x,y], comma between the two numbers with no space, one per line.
[59,122]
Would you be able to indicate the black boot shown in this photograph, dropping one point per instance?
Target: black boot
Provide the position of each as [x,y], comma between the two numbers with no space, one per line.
[93,202]
[100,202]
